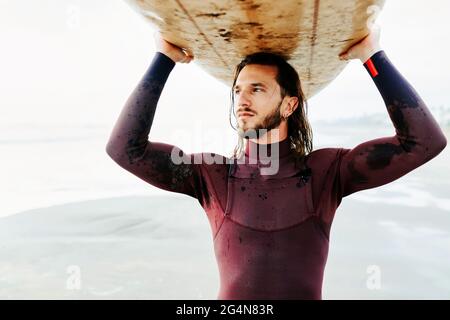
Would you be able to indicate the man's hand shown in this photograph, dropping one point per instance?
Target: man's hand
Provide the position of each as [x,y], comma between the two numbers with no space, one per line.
[365,48]
[175,53]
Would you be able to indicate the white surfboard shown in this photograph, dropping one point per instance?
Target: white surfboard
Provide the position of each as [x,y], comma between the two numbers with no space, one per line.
[312,33]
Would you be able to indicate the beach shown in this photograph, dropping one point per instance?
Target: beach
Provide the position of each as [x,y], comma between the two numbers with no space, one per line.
[160,247]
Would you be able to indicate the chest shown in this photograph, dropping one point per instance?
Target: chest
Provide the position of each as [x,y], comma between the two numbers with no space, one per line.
[270,204]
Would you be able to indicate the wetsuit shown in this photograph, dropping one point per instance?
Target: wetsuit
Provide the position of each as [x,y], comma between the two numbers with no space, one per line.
[271,232]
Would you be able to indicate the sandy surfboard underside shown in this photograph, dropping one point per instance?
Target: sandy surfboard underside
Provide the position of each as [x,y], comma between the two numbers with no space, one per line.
[311,33]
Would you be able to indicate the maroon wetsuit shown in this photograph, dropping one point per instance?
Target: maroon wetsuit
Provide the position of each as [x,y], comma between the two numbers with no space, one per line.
[271,232]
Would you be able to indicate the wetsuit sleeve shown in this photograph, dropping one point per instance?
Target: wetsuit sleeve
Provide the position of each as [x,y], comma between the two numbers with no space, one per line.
[418,136]
[128,144]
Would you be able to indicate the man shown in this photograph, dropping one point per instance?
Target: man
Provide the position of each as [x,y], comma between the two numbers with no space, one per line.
[271,229]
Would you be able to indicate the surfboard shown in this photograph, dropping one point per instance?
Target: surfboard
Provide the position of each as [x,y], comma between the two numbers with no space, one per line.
[219,33]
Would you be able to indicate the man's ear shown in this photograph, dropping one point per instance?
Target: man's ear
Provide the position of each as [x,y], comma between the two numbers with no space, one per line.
[292,104]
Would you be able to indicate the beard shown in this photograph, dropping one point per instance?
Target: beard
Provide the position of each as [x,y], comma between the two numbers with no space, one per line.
[271,121]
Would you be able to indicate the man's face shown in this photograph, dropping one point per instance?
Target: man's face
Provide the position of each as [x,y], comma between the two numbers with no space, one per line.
[257,98]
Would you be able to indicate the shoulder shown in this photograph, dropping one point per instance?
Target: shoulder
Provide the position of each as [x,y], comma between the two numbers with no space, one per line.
[324,158]
[210,162]
[325,154]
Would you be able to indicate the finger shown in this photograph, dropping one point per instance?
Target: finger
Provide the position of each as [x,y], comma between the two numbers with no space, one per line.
[349,55]
[185,59]
[187,52]
[343,56]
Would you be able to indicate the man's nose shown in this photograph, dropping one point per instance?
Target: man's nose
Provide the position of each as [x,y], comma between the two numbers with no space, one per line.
[243,99]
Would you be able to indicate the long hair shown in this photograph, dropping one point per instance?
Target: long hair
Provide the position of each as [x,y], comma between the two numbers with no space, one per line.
[299,129]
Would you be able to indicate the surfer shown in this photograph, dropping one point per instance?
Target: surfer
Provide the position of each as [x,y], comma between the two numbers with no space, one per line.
[271,231]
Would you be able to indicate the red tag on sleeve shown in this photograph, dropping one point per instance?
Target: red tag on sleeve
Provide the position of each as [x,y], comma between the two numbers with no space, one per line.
[373,71]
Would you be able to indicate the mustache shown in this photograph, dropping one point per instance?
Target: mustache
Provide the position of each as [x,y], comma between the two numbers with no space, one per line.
[245,110]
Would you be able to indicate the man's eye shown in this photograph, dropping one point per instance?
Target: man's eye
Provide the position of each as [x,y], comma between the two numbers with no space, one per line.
[254,89]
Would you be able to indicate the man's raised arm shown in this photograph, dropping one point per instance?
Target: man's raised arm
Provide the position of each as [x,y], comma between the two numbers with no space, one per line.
[128,144]
[418,136]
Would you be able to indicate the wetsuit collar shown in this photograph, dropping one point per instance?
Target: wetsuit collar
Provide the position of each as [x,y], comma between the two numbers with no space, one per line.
[278,167]
[254,150]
